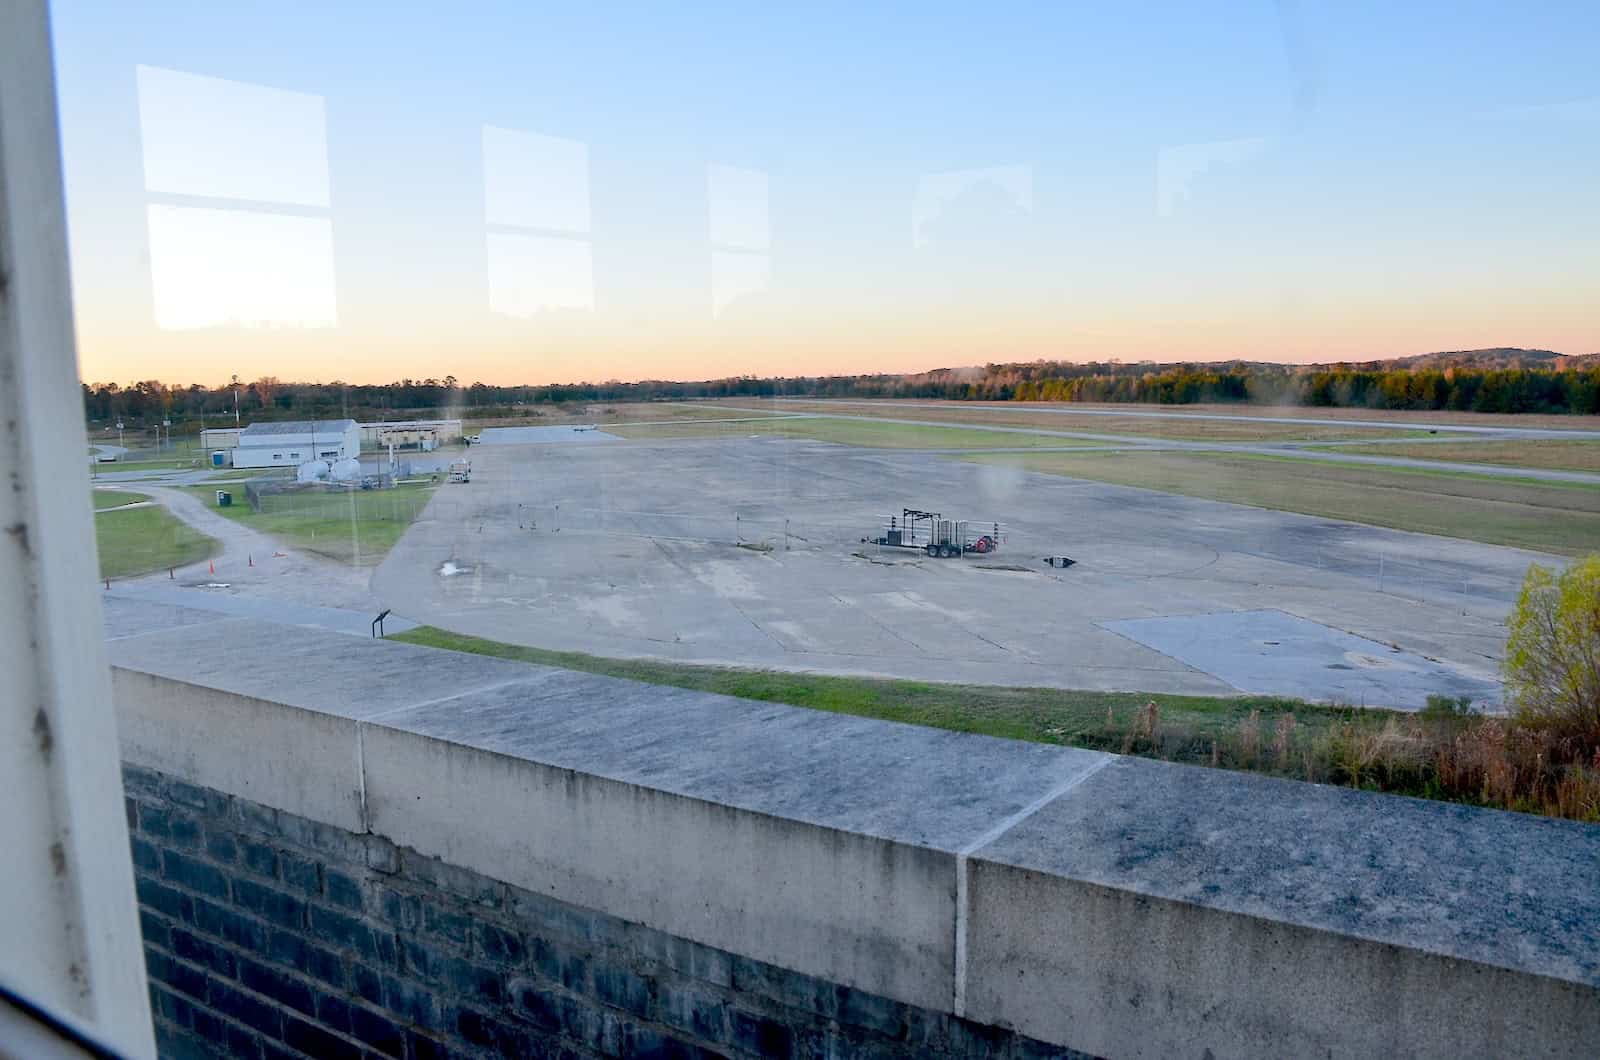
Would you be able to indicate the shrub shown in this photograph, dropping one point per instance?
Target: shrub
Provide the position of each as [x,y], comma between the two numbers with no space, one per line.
[1446,708]
[1552,664]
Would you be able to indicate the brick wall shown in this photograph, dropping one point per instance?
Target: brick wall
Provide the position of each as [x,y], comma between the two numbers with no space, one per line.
[269,935]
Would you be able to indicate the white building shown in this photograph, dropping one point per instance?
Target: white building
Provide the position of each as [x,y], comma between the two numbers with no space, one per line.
[290,443]
[408,434]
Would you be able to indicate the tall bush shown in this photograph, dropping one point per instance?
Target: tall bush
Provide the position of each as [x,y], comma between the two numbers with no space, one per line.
[1552,664]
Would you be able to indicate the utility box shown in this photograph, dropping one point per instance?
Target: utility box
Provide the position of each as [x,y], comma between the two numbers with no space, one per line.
[224,499]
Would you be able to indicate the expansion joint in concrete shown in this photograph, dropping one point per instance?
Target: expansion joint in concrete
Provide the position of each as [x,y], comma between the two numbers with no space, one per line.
[1000,828]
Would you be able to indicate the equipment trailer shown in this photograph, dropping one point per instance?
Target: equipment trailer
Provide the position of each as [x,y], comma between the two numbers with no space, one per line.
[932,533]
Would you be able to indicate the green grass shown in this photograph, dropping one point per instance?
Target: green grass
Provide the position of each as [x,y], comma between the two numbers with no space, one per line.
[1043,715]
[1560,454]
[142,540]
[1375,750]
[1174,424]
[104,498]
[358,527]
[845,431]
[1562,518]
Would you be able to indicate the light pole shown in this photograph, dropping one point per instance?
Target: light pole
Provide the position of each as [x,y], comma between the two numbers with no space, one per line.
[168,425]
[119,435]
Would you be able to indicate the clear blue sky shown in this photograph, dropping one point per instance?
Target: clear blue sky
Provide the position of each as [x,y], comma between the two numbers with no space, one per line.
[943,184]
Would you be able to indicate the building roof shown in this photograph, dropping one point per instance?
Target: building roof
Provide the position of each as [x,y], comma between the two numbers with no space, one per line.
[330,427]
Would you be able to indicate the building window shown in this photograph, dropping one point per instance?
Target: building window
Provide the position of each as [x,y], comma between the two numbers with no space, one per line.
[536,212]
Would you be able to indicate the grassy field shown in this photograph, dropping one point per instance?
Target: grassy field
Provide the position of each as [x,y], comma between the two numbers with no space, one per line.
[141,540]
[1024,414]
[1548,517]
[1439,753]
[843,431]
[1556,453]
[104,498]
[1398,419]
[164,463]
[357,526]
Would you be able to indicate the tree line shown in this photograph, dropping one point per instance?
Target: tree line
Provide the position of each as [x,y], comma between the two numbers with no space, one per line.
[1517,389]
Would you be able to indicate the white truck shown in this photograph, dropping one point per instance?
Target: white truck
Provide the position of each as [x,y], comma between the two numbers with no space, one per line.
[461,471]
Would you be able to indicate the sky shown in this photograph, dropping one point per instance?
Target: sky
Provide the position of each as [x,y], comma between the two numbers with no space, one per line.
[533,192]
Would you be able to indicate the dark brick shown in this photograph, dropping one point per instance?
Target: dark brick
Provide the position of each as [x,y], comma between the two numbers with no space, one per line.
[784,986]
[145,855]
[300,873]
[443,876]
[701,1014]
[194,797]
[756,1034]
[131,809]
[160,897]
[857,1008]
[241,1043]
[345,931]
[201,951]
[567,969]
[378,1031]
[207,1025]
[366,983]
[497,944]
[342,890]
[491,1033]
[536,1004]
[622,989]
[221,847]
[289,948]
[247,1009]
[323,838]
[652,1043]
[155,930]
[268,903]
[257,817]
[176,974]
[182,830]
[404,911]
[274,1051]
[286,989]
[473,982]
[153,820]
[314,1041]
[426,1047]
[169,1005]
[548,916]
[194,874]
[333,1012]
[409,1002]
[175,1044]
[242,931]
[259,858]
[445,924]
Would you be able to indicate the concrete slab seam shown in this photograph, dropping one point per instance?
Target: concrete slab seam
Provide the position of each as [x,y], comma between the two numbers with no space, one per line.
[959,992]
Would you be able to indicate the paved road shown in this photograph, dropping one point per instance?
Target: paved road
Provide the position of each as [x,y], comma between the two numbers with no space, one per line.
[257,576]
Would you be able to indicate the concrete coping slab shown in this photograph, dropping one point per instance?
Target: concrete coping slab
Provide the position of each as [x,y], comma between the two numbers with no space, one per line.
[1028,886]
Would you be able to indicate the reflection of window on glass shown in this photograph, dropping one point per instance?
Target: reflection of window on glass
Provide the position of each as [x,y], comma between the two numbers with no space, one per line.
[536,211]
[238,203]
[741,263]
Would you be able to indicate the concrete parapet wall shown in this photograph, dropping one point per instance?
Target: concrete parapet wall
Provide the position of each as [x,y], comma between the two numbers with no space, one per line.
[1114,906]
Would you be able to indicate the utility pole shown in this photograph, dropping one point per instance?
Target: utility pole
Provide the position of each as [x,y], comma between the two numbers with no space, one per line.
[236,401]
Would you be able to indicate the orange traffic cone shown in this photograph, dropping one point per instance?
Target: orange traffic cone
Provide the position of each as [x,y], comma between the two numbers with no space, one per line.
[211,567]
